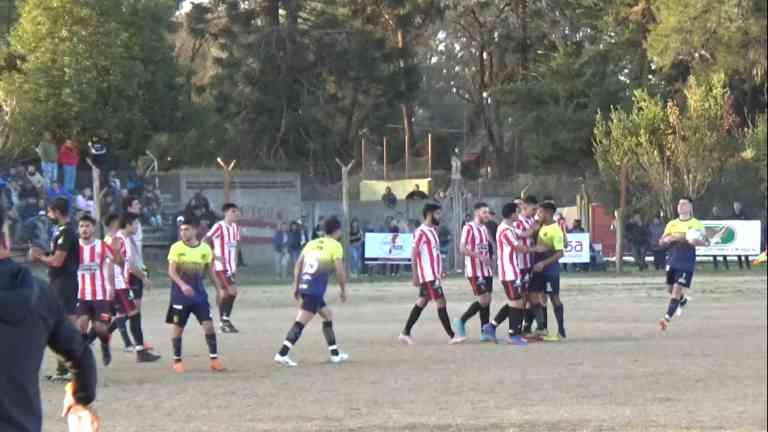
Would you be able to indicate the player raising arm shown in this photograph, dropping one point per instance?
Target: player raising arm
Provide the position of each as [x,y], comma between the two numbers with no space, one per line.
[317,261]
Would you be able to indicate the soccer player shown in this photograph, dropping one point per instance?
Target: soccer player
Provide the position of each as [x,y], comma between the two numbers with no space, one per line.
[62,267]
[545,279]
[682,258]
[93,295]
[120,229]
[136,283]
[427,265]
[525,228]
[317,261]
[511,253]
[475,246]
[189,260]
[224,239]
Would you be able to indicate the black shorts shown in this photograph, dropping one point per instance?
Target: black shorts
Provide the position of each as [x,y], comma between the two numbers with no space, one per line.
[679,277]
[431,290]
[548,283]
[65,289]
[136,286]
[312,303]
[123,301]
[95,310]
[481,286]
[513,289]
[179,314]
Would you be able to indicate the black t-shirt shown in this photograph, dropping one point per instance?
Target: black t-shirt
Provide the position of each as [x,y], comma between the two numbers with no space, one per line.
[65,240]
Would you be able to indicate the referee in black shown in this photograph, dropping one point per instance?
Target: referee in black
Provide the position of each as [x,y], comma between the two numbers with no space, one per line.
[62,263]
[30,320]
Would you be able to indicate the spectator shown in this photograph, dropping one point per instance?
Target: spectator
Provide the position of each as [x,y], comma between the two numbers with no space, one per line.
[11,195]
[84,203]
[152,207]
[199,203]
[113,183]
[637,237]
[656,231]
[388,198]
[304,239]
[294,241]
[355,247]
[394,228]
[416,194]
[738,214]
[319,231]
[47,152]
[440,196]
[135,186]
[716,214]
[281,251]
[35,179]
[577,227]
[27,212]
[445,237]
[56,191]
[69,157]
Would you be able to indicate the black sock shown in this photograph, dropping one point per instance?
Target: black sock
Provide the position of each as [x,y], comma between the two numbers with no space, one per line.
[673,305]
[515,321]
[412,318]
[442,313]
[560,316]
[136,331]
[471,311]
[176,342]
[529,317]
[684,301]
[545,316]
[291,338]
[230,306]
[91,336]
[485,315]
[501,315]
[538,312]
[330,337]
[61,366]
[222,310]
[213,350]
[124,331]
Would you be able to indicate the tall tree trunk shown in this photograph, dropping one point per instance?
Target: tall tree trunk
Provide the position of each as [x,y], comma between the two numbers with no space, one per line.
[272,12]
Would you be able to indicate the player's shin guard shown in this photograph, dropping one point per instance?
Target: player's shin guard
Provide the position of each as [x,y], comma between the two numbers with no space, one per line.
[330,337]
[560,316]
[471,311]
[176,342]
[412,318]
[515,321]
[673,305]
[485,315]
[544,316]
[538,311]
[136,331]
[442,313]
[291,338]
[213,350]
[501,315]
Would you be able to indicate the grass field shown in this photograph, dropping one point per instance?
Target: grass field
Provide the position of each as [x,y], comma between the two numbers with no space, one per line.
[615,372]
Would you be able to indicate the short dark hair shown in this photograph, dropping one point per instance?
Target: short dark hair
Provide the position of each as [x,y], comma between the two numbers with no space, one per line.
[127,219]
[61,205]
[480,205]
[87,219]
[128,201]
[549,206]
[331,225]
[531,199]
[190,220]
[111,218]
[429,209]
[228,206]
[508,210]
[687,198]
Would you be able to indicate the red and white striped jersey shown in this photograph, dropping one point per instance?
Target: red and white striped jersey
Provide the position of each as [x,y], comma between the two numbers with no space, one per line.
[476,238]
[120,273]
[91,273]
[520,226]
[509,256]
[128,257]
[225,238]
[429,262]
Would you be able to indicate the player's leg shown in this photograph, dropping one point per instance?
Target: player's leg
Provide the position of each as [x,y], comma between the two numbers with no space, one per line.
[330,336]
[122,303]
[478,289]
[177,317]
[511,289]
[557,305]
[307,311]
[416,310]
[677,281]
[100,319]
[134,319]
[137,291]
[226,300]
[442,314]
[203,314]
[485,303]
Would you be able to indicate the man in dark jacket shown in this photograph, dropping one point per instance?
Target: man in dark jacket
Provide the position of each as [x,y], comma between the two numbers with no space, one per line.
[638,235]
[738,214]
[30,320]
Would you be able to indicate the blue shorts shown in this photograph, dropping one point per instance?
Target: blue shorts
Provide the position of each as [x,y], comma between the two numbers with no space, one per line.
[548,283]
[179,314]
[679,277]
[311,303]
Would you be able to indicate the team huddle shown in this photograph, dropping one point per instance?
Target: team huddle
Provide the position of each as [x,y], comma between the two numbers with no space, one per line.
[100,283]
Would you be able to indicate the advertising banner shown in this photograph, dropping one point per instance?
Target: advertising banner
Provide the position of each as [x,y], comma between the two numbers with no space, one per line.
[388,248]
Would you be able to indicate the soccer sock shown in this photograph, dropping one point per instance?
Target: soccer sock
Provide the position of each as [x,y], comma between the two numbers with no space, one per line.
[412,318]
[442,313]
[501,315]
[222,310]
[61,366]
[330,337]
[684,301]
[230,306]
[673,305]
[515,321]
[538,311]
[529,317]
[545,316]
[176,342]
[560,316]
[123,331]
[485,315]
[136,332]
[291,338]
[213,350]
[471,311]
[91,336]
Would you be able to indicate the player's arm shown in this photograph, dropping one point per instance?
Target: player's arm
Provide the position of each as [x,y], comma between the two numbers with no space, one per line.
[463,244]
[174,275]
[54,261]
[297,275]
[415,255]
[559,252]
[669,237]
[117,258]
[212,275]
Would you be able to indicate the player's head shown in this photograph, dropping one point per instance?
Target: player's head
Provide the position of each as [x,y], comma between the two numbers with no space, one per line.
[546,211]
[231,212]
[112,222]
[509,211]
[188,229]
[530,205]
[432,213]
[85,227]
[58,210]
[332,226]
[685,207]
[128,223]
[482,213]
[131,204]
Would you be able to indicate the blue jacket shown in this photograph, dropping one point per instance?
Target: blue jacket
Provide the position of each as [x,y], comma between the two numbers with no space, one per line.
[280,241]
